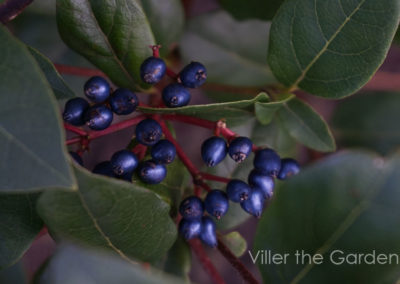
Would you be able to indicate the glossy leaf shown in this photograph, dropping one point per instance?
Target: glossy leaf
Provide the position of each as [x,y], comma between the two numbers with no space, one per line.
[233,52]
[260,9]
[18,227]
[235,242]
[306,126]
[113,214]
[347,202]
[166,19]
[234,112]
[79,265]
[31,139]
[331,48]
[369,120]
[113,35]
[57,83]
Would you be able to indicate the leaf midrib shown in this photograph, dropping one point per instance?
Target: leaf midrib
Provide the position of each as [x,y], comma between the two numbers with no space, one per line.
[9,136]
[325,47]
[99,229]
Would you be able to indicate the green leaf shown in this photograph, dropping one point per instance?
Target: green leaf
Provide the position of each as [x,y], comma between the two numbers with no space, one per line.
[113,35]
[234,112]
[369,120]
[397,37]
[271,135]
[234,53]
[266,112]
[113,214]
[347,202]
[178,261]
[18,227]
[331,48]
[307,126]
[79,265]
[166,19]
[260,9]
[31,139]
[57,83]
[235,242]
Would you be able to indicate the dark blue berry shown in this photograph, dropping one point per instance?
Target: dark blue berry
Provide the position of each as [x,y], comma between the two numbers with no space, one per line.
[97,89]
[123,101]
[207,234]
[289,167]
[126,177]
[163,152]
[148,132]
[268,162]
[152,173]
[74,111]
[193,75]
[152,70]
[255,203]
[191,207]
[124,163]
[237,190]
[98,117]
[189,229]
[104,169]
[213,151]
[240,148]
[216,203]
[76,157]
[175,95]
[262,181]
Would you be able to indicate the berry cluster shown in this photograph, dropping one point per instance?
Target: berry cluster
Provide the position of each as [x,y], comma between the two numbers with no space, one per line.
[106,102]
[148,134]
[252,196]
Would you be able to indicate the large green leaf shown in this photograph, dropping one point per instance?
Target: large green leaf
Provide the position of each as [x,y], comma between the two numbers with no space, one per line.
[178,260]
[127,219]
[57,83]
[271,135]
[347,202]
[261,9]
[233,52]
[265,113]
[307,126]
[397,37]
[18,227]
[235,113]
[79,265]
[113,35]
[369,120]
[31,140]
[166,19]
[14,274]
[331,48]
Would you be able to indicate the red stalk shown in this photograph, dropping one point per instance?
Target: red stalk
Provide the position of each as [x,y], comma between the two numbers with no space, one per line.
[78,71]
[73,140]
[75,129]
[206,262]
[236,263]
[116,127]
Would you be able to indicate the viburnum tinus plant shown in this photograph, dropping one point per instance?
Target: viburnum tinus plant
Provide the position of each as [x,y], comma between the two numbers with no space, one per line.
[92,158]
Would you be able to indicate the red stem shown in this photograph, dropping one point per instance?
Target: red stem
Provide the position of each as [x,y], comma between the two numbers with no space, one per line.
[206,262]
[116,127]
[73,140]
[75,129]
[78,71]
[181,154]
[226,132]
[236,263]
[215,178]
[140,151]
[171,73]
